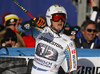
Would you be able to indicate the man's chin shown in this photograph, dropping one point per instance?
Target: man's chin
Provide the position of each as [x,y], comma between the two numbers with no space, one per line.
[91,39]
[60,28]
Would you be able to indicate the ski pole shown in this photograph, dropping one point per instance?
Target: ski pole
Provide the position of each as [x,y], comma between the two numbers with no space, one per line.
[23,9]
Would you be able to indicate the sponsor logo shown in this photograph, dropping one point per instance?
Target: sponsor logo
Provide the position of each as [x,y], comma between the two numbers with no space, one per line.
[73,51]
[43,62]
[88,70]
[71,45]
[51,42]
[74,61]
[55,66]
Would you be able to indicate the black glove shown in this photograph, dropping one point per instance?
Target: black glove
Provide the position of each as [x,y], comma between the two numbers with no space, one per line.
[32,22]
[40,21]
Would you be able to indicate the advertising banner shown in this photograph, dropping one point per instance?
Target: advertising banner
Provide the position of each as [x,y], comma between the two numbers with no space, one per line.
[88,65]
[19,61]
[15,65]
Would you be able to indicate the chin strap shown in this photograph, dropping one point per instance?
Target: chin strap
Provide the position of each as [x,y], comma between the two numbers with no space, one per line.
[55,30]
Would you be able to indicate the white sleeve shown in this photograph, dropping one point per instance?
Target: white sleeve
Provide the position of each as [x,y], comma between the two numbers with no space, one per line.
[72,58]
[94,16]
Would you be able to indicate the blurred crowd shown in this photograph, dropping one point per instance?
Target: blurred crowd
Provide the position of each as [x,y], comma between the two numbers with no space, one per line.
[85,36]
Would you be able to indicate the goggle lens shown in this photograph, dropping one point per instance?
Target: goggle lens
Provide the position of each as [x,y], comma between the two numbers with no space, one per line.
[57,17]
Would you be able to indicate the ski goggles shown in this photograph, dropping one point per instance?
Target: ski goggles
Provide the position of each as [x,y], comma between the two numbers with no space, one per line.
[57,17]
[90,30]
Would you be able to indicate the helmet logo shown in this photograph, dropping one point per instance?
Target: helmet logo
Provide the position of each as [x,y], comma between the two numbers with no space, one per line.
[57,5]
[59,11]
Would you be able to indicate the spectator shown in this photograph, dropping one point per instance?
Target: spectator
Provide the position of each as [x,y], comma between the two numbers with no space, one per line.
[95,16]
[1,28]
[10,20]
[98,28]
[72,31]
[87,38]
[66,28]
[11,39]
[29,40]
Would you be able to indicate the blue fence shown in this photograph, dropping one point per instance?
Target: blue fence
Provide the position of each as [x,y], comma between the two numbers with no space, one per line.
[24,51]
[88,52]
[17,52]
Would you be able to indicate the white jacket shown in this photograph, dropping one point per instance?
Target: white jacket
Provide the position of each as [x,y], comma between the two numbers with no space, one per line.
[51,50]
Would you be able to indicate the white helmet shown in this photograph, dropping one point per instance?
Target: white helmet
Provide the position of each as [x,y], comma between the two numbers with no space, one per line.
[52,10]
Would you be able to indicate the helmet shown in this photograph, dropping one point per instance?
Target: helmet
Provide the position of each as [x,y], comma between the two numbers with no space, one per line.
[52,10]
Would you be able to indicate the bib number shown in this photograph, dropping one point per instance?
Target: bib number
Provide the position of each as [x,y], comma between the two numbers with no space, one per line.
[46,51]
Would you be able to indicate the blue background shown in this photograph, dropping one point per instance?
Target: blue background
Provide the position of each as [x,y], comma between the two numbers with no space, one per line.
[36,7]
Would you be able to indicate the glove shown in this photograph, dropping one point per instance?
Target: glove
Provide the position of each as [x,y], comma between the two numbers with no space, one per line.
[32,23]
[40,21]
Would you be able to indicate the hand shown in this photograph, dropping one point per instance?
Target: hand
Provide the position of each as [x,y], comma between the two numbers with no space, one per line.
[93,3]
[20,20]
[40,21]
[17,23]
[32,23]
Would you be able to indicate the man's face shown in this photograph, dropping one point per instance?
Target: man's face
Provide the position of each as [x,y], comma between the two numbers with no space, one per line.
[58,21]
[10,41]
[11,25]
[58,25]
[90,32]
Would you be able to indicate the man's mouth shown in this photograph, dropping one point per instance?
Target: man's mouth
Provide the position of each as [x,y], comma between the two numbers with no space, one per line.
[59,24]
